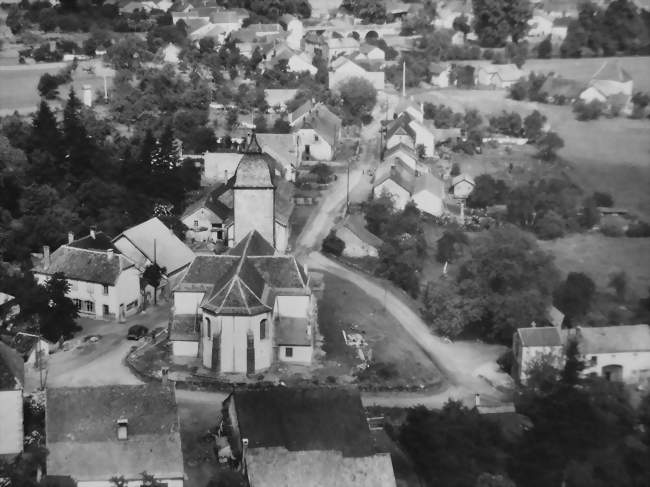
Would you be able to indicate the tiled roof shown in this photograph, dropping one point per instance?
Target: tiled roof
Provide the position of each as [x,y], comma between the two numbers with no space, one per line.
[462,177]
[356,224]
[304,419]
[279,271]
[254,170]
[153,237]
[614,339]
[544,336]
[430,183]
[85,265]
[398,172]
[401,147]
[81,432]
[12,369]
[400,125]
[323,122]
[292,331]
[205,270]
[100,241]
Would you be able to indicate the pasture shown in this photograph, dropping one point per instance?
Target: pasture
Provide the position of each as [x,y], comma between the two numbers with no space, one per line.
[607,154]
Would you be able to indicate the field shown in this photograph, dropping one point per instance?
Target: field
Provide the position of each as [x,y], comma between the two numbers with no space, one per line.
[599,256]
[18,85]
[607,154]
[346,307]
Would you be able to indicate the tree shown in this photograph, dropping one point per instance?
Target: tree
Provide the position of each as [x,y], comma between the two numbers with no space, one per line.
[590,215]
[323,172]
[548,146]
[618,282]
[370,11]
[48,86]
[573,297]
[545,48]
[281,127]
[487,192]
[332,244]
[497,20]
[378,212]
[153,275]
[603,199]
[573,365]
[359,97]
[58,313]
[534,125]
[450,245]
[461,24]
[588,111]
[444,309]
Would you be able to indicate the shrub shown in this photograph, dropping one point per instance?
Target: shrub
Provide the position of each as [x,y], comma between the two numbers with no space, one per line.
[638,229]
[332,244]
[550,226]
[488,54]
[506,360]
[603,199]
[449,246]
[612,228]
[455,169]
[588,111]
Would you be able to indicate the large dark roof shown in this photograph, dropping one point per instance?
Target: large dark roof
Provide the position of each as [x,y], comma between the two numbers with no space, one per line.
[301,419]
[81,431]
[12,369]
[85,265]
[100,241]
[254,169]
[252,244]
[543,336]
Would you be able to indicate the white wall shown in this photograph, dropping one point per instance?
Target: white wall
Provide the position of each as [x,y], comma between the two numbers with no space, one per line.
[397,139]
[636,365]
[128,291]
[204,218]
[424,137]
[254,210]
[187,303]
[293,306]
[185,348]
[301,355]
[319,149]
[404,157]
[400,195]
[428,203]
[131,483]
[529,355]
[281,237]
[11,422]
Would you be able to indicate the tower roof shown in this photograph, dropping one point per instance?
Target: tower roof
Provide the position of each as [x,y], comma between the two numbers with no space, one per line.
[254,170]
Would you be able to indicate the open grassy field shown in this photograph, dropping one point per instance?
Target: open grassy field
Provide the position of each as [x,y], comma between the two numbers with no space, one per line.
[607,154]
[346,307]
[18,85]
[599,256]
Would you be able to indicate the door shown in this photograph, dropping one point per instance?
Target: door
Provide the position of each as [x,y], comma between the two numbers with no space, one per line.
[216,352]
[105,310]
[250,353]
[613,373]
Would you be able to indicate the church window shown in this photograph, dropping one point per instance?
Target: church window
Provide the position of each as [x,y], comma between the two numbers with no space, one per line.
[208,328]
[263,332]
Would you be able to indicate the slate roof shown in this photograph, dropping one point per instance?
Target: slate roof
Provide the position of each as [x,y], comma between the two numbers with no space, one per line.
[325,123]
[101,241]
[398,172]
[302,419]
[213,202]
[170,252]
[12,369]
[84,265]
[544,336]
[401,147]
[356,224]
[245,280]
[430,183]
[614,339]
[81,432]
[400,125]
[254,170]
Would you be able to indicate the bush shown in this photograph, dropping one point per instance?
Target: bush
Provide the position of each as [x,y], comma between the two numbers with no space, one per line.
[588,111]
[450,245]
[639,229]
[455,169]
[603,199]
[550,226]
[612,228]
[506,360]
[332,244]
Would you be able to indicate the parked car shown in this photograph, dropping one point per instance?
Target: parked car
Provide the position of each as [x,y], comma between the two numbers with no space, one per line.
[136,332]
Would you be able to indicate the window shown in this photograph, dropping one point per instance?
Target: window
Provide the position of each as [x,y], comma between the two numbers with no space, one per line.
[288,352]
[89,306]
[593,361]
[208,328]
[196,223]
[315,138]
[262,329]
[105,289]
[77,303]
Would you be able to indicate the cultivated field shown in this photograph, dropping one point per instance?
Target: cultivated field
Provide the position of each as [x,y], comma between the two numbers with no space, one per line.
[607,154]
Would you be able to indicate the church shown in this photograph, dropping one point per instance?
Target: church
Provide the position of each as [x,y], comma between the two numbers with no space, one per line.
[246,309]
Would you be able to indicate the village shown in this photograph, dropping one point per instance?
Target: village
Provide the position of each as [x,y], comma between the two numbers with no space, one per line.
[327,243]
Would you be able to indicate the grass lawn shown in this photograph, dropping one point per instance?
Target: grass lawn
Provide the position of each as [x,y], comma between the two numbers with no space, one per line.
[346,307]
[599,256]
[607,154]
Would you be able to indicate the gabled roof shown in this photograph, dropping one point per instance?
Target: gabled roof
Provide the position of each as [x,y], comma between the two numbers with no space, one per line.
[401,147]
[12,369]
[102,267]
[81,432]
[212,202]
[356,224]
[429,183]
[301,111]
[543,336]
[400,126]
[614,339]
[405,103]
[612,71]
[157,242]
[100,241]
[323,122]
[252,244]
[398,172]
[462,177]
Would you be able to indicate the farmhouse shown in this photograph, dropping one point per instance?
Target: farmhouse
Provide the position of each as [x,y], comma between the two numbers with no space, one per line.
[498,76]
[96,433]
[104,282]
[530,345]
[611,85]
[304,438]
[462,185]
[343,68]
[12,379]
[318,131]
[254,307]
[403,153]
[440,74]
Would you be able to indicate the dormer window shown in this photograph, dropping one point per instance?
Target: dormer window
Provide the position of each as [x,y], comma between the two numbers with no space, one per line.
[122,429]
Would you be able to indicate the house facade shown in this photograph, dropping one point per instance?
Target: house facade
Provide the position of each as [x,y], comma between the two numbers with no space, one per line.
[462,185]
[530,345]
[359,241]
[12,379]
[97,433]
[104,283]
[318,132]
[498,76]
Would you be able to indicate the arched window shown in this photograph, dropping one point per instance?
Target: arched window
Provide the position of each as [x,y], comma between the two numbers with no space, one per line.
[263,331]
[208,328]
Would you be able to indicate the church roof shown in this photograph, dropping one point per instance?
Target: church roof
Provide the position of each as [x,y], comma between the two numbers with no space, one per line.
[254,170]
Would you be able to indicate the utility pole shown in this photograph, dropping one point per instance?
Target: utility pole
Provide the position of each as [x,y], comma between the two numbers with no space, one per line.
[404,79]
[347,192]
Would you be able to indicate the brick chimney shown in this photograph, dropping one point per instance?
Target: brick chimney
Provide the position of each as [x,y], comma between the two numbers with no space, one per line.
[92,233]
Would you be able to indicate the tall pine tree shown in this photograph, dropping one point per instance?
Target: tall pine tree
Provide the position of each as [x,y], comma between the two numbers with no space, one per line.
[80,148]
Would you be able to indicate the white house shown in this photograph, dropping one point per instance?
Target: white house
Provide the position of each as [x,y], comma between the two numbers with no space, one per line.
[618,353]
[278,98]
[318,132]
[423,137]
[428,194]
[343,68]
[254,306]
[170,53]
[611,84]
[440,75]
[498,76]
[462,185]
[534,344]
[12,379]
[403,153]
[399,131]
[209,218]
[295,29]
[285,149]
[94,434]
[104,283]
[297,62]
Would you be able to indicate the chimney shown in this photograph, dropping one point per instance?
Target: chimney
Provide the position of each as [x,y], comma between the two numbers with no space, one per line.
[122,429]
[70,237]
[46,256]
[109,253]
[92,233]
[164,375]
[477,400]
